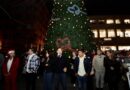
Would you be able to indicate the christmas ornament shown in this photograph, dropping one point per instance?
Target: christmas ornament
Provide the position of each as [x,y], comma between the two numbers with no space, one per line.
[64,43]
[75,10]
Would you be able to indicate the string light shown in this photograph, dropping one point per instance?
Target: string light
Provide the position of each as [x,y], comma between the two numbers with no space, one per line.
[81,44]
[52,49]
[71,3]
[58,3]
[60,24]
[81,26]
[82,2]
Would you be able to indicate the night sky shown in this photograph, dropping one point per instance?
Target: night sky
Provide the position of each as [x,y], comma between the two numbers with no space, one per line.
[108,7]
[10,8]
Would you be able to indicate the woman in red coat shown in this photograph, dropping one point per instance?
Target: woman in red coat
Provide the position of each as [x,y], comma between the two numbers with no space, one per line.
[10,71]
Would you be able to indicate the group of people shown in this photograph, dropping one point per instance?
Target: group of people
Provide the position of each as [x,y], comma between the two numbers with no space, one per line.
[10,65]
[82,67]
[107,70]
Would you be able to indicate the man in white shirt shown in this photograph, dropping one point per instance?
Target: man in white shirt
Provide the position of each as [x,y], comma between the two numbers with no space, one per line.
[82,67]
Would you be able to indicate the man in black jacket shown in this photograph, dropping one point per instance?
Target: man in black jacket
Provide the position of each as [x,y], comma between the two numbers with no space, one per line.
[60,70]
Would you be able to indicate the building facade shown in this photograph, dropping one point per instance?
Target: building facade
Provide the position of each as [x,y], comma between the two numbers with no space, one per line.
[111,32]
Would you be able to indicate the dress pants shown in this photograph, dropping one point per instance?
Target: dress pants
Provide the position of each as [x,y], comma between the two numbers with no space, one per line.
[31,81]
[60,79]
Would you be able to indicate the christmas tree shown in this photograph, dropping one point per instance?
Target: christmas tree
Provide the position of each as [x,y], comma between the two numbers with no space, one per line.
[69,26]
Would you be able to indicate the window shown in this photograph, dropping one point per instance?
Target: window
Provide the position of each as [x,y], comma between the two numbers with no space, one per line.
[101,21]
[110,21]
[102,33]
[104,48]
[117,21]
[107,39]
[127,33]
[111,33]
[119,33]
[95,33]
[92,21]
[127,21]
[124,47]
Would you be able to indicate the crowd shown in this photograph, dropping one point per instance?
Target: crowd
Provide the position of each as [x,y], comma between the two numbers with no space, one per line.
[86,70]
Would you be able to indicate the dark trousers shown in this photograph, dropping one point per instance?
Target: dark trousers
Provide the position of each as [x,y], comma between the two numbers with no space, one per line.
[82,82]
[1,84]
[31,81]
[90,83]
[47,80]
[60,79]
[72,76]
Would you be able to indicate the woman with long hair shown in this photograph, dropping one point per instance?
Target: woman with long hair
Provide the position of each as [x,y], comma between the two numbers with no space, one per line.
[48,71]
[112,70]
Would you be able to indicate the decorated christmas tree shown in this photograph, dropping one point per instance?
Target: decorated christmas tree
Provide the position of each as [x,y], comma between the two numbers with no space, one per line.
[69,26]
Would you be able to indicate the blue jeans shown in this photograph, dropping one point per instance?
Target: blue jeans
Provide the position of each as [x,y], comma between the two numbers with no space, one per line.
[48,80]
[82,82]
[60,79]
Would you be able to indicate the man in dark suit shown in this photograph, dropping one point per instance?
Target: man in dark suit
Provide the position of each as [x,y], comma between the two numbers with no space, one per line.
[60,70]
[82,68]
